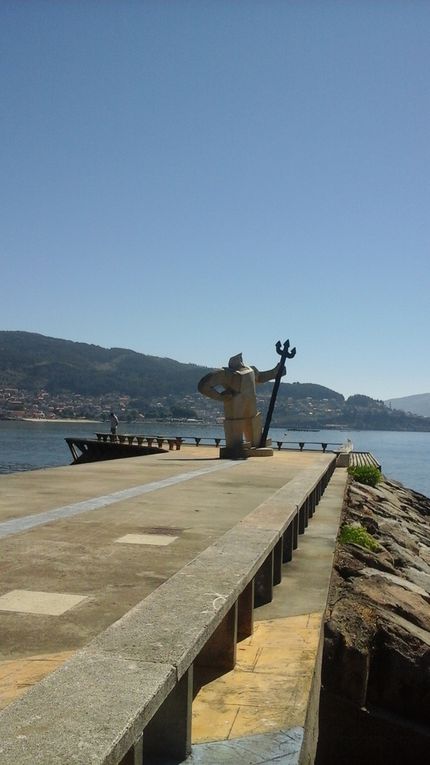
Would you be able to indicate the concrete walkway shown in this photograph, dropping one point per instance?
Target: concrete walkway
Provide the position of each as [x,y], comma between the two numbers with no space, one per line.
[83,544]
[265,710]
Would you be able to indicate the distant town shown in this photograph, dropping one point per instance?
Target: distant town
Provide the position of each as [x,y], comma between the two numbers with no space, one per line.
[310,412]
[43,378]
[18,404]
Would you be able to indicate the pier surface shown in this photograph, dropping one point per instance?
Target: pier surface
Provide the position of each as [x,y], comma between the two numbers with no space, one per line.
[82,545]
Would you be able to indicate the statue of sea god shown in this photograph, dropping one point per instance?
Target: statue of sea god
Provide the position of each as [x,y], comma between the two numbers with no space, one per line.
[235,386]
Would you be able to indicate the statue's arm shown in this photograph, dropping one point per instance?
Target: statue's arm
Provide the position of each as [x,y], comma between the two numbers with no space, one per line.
[209,383]
[270,374]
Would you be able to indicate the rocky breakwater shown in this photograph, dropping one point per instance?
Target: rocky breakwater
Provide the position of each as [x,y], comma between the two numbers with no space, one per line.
[375,697]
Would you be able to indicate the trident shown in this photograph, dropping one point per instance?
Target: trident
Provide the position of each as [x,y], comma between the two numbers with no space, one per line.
[285,354]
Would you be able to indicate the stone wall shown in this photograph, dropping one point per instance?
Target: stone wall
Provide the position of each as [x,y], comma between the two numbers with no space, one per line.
[375,697]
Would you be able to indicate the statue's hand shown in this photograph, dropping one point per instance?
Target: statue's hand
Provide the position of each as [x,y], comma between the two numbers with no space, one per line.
[227,395]
[283,371]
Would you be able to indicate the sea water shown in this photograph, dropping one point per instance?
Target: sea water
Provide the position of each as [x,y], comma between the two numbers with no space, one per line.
[404,456]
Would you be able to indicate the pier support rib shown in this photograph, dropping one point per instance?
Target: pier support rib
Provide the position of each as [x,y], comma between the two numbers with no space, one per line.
[264,582]
[287,549]
[168,733]
[245,612]
[220,650]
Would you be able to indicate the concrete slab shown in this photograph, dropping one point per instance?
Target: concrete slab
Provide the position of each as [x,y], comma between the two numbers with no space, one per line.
[80,710]
[17,525]
[157,630]
[78,554]
[146,539]
[144,653]
[32,602]
[273,672]
[280,748]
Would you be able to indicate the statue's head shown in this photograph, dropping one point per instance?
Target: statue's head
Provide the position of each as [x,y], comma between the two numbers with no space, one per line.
[236,362]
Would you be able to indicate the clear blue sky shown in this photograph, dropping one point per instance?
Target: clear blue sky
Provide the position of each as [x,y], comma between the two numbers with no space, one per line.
[196,178]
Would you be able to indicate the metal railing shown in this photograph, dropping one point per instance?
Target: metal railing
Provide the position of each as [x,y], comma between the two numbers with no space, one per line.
[176,441]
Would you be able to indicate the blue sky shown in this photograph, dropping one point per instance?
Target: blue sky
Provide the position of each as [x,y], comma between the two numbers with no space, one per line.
[192,179]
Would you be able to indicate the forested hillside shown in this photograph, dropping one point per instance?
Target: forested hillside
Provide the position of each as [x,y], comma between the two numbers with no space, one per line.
[31,361]
[78,379]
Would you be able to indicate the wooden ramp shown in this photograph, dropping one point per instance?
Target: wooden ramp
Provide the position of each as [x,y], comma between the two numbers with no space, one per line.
[360,459]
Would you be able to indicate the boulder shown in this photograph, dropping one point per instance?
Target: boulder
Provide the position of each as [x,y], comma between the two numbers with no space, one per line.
[375,697]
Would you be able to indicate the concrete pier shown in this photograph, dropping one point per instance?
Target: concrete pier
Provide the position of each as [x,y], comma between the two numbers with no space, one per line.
[184,547]
[268,704]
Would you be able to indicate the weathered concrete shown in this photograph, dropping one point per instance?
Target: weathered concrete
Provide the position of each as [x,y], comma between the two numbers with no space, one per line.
[172,627]
[67,717]
[279,748]
[274,688]
[157,630]
[79,555]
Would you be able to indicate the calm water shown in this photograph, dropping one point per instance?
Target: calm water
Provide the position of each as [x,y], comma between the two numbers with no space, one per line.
[32,445]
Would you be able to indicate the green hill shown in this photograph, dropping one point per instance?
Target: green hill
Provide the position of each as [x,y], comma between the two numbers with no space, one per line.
[163,387]
[30,361]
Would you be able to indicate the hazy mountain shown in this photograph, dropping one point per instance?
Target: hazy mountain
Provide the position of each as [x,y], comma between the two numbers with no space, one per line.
[418,404]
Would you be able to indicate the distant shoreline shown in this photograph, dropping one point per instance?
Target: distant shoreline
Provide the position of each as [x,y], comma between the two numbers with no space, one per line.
[146,422]
[58,419]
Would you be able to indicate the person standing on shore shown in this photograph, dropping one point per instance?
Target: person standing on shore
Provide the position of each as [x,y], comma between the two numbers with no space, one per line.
[113,423]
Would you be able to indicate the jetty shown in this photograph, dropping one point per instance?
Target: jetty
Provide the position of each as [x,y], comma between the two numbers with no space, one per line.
[106,446]
[166,608]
